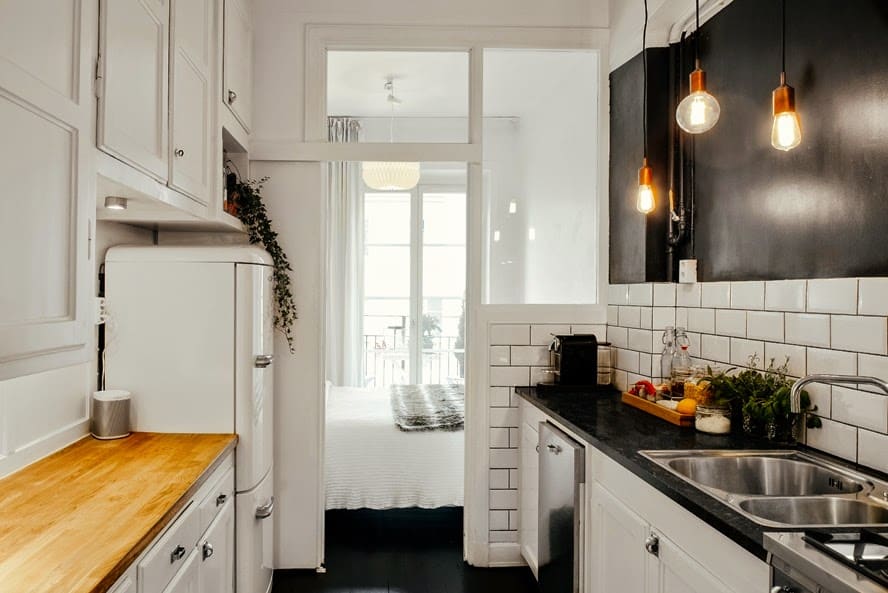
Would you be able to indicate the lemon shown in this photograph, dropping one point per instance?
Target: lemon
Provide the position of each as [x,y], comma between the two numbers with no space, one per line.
[686,406]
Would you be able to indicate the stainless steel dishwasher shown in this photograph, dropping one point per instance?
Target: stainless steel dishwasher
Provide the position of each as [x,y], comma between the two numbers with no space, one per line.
[562,479]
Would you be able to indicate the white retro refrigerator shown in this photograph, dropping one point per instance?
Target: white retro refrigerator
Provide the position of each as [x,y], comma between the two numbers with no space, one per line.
[190,334]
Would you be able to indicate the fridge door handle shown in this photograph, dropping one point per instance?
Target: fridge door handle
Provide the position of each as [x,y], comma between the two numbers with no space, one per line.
[265,511]
[263,360]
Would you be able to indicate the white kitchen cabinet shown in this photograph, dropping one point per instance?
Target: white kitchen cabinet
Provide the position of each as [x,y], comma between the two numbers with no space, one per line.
[678,572]
[190,122]
[187,580]
[133,90]
[528,485]
[237,64]
[46,116]
[216,549]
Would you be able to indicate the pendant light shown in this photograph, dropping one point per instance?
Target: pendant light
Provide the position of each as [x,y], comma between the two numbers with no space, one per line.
[386,175]
[699,111]
[644,201]
[786,132]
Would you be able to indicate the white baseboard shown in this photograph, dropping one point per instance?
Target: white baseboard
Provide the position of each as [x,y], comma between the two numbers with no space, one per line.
[503,555]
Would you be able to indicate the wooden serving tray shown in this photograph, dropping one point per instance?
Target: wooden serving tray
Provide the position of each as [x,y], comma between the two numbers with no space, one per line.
[653,409]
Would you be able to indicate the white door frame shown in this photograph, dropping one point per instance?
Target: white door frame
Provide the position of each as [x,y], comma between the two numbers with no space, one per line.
[316,148]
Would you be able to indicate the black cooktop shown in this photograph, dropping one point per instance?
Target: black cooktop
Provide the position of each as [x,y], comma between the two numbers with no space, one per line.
[864,550]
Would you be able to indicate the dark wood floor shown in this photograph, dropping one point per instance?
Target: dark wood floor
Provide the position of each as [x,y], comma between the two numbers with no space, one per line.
[400,551]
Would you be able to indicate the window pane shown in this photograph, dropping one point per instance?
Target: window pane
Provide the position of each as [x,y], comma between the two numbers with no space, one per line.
[541,176]
[430,94]
[387,219]
[444,218]
[387,271]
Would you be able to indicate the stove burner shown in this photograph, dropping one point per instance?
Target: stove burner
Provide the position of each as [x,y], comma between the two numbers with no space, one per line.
[864,550]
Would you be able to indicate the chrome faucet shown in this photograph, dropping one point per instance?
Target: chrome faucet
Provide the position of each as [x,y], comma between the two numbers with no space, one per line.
[795,394]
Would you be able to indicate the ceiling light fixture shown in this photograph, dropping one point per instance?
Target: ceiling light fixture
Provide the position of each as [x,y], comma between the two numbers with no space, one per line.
[115,203]
[390,175]
[644,201]
[786,132]
[513,207]
[699,111]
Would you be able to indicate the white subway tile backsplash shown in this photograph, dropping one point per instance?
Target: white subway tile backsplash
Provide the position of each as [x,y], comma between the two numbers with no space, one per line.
[503,458]
[796,354]
[838,295]
[499,356]
[503,499]
[513,478]
[872,450]
[764,325]
[872,366]
[641,294]
[701,320]
[687,295]
[716,348]
[513,520]
[831,362]
[730,323]
[618,294]
[499,479]
[807,329]
[834,437]
[503,537]
[663,317]
[627,360]
[644,364]
[785,295]
[821,399]
[504,418]
[499,521]
[541,335]
[613,315]
[647,318]
[860,408]
[600,330]
[617,336]
[747,295]
[530,355]
[681,317]
[500,396]
[499,439]
[694,344]
[509,376]
[640,340]
[514,437]
[630,316]
[509,334]
[872,297]
[664,295]
[860,334]
[716,295]
[540,375]
[742,351]
[621,380]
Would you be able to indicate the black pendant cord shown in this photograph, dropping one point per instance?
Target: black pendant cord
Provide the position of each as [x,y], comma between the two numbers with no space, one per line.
[697,36]
[644,66]
[783,42]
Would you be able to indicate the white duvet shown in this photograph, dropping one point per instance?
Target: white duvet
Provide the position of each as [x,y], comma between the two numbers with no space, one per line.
[371,464]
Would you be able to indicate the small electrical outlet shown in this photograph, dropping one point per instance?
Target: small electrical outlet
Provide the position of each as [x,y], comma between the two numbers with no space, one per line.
[101,312]
[687,271]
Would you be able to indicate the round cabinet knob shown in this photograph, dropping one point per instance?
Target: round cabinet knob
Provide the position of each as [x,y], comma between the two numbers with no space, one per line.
[232,96]
[652,544]
[207,550]
[783,589]
[179,152]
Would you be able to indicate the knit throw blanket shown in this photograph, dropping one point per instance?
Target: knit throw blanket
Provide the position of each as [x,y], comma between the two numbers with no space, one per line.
[428,407]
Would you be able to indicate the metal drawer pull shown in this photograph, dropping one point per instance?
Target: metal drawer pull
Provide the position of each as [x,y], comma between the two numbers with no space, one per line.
[554,449]
[220,500]
[207,550]
[265,511]
[232,96]
[652,545]
[177,554]
[263,360]
[179,152]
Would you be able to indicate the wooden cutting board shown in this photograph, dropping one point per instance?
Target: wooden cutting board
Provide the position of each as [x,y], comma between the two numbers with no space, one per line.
[74,521]
[653,409]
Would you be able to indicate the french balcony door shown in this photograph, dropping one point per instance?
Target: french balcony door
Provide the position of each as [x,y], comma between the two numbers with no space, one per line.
[414,286]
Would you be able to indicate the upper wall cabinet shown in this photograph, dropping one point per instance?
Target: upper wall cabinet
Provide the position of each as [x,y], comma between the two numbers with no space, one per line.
[237,85]
[133,88]
[46,114]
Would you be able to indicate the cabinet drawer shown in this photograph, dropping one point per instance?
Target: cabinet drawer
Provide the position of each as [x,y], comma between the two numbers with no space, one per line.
[213,503]
[170,552]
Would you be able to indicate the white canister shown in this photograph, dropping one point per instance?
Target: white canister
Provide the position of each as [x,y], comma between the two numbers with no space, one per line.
[110,417]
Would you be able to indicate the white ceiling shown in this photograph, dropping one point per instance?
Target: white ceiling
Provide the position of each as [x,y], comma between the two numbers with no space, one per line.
[435,84]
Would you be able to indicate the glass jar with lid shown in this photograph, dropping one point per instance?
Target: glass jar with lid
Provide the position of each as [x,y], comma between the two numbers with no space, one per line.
[713,419]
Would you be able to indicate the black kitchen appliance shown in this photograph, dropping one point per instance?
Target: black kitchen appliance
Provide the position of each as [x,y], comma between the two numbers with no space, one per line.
[574,359]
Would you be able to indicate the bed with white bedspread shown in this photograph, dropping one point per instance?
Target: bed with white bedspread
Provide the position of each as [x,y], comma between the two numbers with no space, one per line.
[370,463]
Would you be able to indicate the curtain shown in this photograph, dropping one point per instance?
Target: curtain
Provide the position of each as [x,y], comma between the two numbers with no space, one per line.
[345,262]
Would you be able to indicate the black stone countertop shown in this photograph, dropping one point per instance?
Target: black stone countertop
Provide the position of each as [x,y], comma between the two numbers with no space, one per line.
[620,431]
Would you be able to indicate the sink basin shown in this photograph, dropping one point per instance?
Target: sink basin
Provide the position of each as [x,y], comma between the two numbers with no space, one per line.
[815,511]
[764,476]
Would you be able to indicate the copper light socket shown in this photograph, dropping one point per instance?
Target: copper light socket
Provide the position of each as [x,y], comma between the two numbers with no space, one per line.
[783,98]
[645,174]
[698,80]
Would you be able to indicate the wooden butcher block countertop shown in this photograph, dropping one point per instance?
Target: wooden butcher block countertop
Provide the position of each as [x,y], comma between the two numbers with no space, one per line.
[74,521]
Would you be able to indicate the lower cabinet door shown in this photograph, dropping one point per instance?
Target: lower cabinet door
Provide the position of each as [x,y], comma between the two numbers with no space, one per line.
[528,496]
[216,550]
[186,580]
[617,558]
[678,572]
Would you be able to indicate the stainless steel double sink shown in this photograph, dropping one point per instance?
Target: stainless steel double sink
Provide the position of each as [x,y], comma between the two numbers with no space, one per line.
[781,488]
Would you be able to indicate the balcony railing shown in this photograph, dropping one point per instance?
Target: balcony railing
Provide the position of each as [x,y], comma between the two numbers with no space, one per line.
[386,360]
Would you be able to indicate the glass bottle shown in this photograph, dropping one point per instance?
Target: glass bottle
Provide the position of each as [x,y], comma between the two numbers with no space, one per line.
[668,354]
[681,362]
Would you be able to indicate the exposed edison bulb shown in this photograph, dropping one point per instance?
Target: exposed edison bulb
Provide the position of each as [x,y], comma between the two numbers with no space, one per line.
[699,111]
[644,201]
[786,132]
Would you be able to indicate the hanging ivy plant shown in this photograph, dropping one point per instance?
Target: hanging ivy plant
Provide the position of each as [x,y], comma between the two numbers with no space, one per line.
[245,202]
